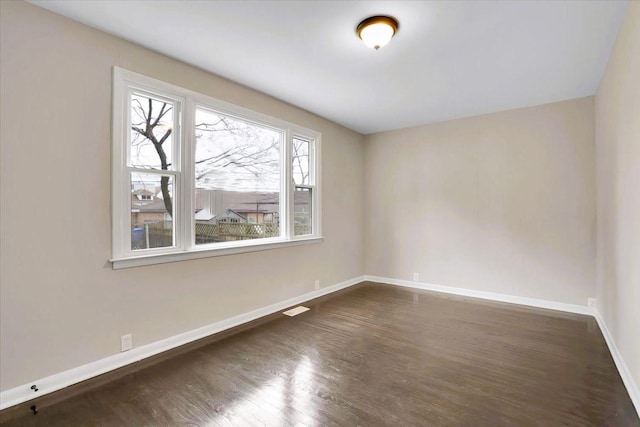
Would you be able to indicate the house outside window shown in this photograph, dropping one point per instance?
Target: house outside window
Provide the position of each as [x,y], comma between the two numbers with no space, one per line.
[194,176]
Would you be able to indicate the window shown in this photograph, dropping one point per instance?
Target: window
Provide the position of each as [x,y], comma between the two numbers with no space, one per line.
[303,181]
[194,176]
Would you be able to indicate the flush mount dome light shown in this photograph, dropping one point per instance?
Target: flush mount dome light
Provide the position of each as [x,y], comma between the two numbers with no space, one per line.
[377,31]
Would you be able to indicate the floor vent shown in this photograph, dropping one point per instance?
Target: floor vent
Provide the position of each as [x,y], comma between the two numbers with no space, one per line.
[295,311]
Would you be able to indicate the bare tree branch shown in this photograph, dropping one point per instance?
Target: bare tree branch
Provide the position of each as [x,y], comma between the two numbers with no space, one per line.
[148,133]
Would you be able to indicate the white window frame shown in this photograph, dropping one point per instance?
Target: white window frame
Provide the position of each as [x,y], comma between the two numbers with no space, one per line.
[183,172]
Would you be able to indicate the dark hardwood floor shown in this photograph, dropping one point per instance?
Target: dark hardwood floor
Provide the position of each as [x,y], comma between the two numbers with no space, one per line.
[376,355]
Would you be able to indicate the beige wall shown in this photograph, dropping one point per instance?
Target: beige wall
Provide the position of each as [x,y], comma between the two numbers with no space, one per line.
[501,203]
[617,118]
[61,303]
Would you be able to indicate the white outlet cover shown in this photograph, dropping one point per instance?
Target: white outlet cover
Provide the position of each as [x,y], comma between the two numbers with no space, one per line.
[126,342]
[416,277]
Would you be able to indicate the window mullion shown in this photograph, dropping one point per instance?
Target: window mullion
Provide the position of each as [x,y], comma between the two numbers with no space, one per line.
[287,216]
[188,174]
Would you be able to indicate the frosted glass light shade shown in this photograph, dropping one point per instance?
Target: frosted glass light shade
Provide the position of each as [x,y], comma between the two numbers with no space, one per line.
[377,31]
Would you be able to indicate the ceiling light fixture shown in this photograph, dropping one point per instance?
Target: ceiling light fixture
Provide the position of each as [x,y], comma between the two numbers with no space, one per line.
[377,31]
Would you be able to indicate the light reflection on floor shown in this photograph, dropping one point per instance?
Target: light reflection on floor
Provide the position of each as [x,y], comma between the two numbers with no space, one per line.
[281,401]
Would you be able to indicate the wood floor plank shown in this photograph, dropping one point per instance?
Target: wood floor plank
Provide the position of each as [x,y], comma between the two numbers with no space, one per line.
[377,355]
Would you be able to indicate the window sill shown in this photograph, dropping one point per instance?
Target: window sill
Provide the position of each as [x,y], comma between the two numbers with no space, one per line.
[121,263]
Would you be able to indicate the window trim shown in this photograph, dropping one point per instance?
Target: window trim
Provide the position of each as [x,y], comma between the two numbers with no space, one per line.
[175,256]
[125,81]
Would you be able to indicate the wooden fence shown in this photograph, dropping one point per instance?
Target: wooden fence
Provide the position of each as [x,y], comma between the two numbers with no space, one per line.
[159,234]
[226,231]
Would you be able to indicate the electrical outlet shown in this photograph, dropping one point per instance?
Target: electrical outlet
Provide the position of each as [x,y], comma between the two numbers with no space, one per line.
[317,284]
[126,342]
[416,277]
[591,302]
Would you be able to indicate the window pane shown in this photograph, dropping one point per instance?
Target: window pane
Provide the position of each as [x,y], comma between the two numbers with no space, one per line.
[152,224]
[152,123]
[302,211]
[237,179]
[300,158]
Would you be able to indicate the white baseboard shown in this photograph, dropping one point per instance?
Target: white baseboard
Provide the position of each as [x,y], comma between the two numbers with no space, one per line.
[627,379]
[532,302]
[64,379]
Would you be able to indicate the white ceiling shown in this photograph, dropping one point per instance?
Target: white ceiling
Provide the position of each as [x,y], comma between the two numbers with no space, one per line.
[449,59]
